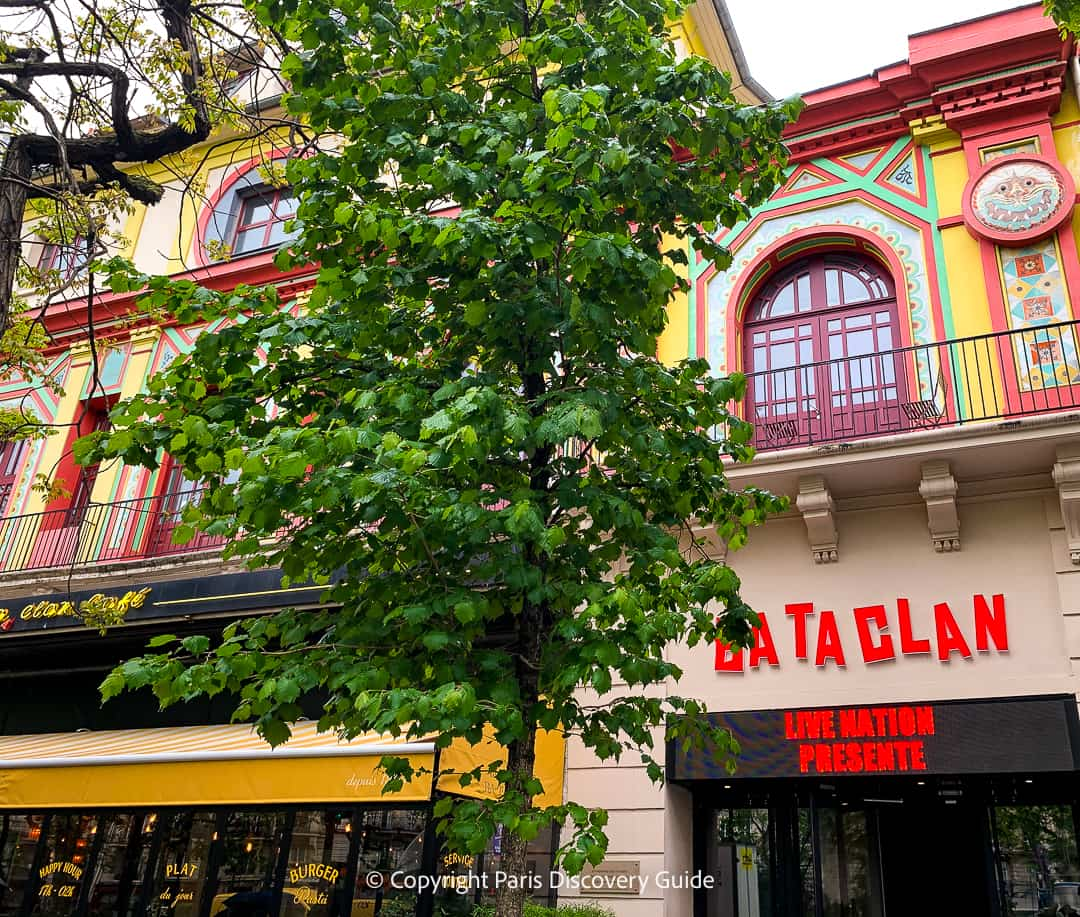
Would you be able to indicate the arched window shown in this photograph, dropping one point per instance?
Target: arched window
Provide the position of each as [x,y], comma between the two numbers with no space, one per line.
[247,216]
[820,350]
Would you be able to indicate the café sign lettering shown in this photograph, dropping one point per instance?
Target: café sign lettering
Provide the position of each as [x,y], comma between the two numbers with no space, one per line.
[46,609]
[884,634]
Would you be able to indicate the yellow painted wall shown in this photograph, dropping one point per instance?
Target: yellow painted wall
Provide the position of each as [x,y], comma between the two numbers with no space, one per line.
[673,344]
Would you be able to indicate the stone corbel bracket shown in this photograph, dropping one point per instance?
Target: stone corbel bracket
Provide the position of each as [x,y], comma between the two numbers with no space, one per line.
[938,488]
[1067,479]
[819,513]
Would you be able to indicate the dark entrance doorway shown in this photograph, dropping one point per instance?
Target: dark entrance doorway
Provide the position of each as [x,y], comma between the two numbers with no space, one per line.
[935,859]
[909,847]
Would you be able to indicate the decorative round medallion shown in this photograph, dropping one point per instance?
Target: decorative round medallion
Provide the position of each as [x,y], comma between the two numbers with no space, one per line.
[1017,199]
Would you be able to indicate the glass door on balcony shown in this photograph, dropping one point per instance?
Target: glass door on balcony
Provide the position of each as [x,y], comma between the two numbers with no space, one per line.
[177,491]
[820,352]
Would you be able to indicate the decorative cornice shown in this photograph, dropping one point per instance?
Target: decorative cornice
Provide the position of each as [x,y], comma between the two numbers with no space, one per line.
[965,77]
[932,129]
[1035,91]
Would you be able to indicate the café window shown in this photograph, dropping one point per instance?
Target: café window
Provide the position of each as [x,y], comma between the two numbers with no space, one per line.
[391,840]
[61,875]
[183,863]
[119,860]
[318,864]
[1038,869]
[250,843]
[19,837]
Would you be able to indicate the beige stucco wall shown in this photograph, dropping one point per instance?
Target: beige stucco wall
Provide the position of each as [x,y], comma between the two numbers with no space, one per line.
[1012,544]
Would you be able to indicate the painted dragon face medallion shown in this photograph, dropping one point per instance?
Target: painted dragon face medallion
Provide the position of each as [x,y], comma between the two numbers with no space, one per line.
[1018,198]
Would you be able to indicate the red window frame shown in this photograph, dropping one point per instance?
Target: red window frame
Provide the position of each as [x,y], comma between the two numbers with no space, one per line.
[246,203]
[11,459]
[821,387]
[69,260]
[84,483]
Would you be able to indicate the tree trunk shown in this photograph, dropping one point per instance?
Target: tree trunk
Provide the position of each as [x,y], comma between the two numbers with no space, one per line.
[512,891]
[14,188]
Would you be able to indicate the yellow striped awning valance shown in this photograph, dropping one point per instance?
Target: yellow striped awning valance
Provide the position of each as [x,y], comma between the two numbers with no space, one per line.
[201,765]
[231,764]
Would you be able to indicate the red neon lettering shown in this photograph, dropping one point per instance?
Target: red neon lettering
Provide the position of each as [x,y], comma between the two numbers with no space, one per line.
[949,637]
[990,625]
[918,756]
[823,759]
[800,611]
[886,756]
[909,646]
[764,648]
[828,642]
[872,652]
[924,721]
[806,755]
[726,660]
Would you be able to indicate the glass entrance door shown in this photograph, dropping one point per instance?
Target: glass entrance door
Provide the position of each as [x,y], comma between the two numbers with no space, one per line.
[918,856]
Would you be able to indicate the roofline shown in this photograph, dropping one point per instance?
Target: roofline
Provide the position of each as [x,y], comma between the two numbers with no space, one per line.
[724,15]
[952,25]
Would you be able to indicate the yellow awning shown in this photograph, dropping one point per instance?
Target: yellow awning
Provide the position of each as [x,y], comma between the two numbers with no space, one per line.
[461,757]
[211,765]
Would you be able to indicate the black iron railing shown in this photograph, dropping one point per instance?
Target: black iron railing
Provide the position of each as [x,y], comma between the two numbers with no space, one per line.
[98,533]
[996,376]
[987,377]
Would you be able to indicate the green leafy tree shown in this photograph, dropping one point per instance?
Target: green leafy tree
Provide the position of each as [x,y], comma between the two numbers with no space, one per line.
[465,431]
[1066,13]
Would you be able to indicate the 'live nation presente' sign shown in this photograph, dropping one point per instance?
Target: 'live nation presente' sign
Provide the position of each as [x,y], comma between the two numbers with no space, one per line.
[1006,735]
[884,633]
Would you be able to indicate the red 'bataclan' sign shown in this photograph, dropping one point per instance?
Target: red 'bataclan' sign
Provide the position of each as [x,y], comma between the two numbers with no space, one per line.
[868,739]
[876,641]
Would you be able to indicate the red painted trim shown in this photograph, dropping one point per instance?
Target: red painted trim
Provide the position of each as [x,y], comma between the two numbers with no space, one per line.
[805,169]
[950,222]
[950,71]
[920,175]
[1070,263]
[952,149]
[841,161]
[850,194]
[224,188]
[257,269]
[1027,236]
[742,291]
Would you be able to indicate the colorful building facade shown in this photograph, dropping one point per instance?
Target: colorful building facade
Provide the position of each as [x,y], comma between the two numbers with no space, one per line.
[903,309]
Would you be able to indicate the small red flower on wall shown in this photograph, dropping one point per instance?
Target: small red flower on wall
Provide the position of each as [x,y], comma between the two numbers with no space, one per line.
[1030,265]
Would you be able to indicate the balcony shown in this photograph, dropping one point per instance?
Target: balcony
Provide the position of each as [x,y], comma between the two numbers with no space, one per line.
[990,377]
[98,533]
[1001,376]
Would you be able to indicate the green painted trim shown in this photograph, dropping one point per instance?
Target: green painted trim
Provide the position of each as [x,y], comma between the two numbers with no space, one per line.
[691,302]
[870,119]
[1023,68]
[935,235]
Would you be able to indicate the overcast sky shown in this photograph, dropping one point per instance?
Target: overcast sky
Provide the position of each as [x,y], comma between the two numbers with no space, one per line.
[796,45]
